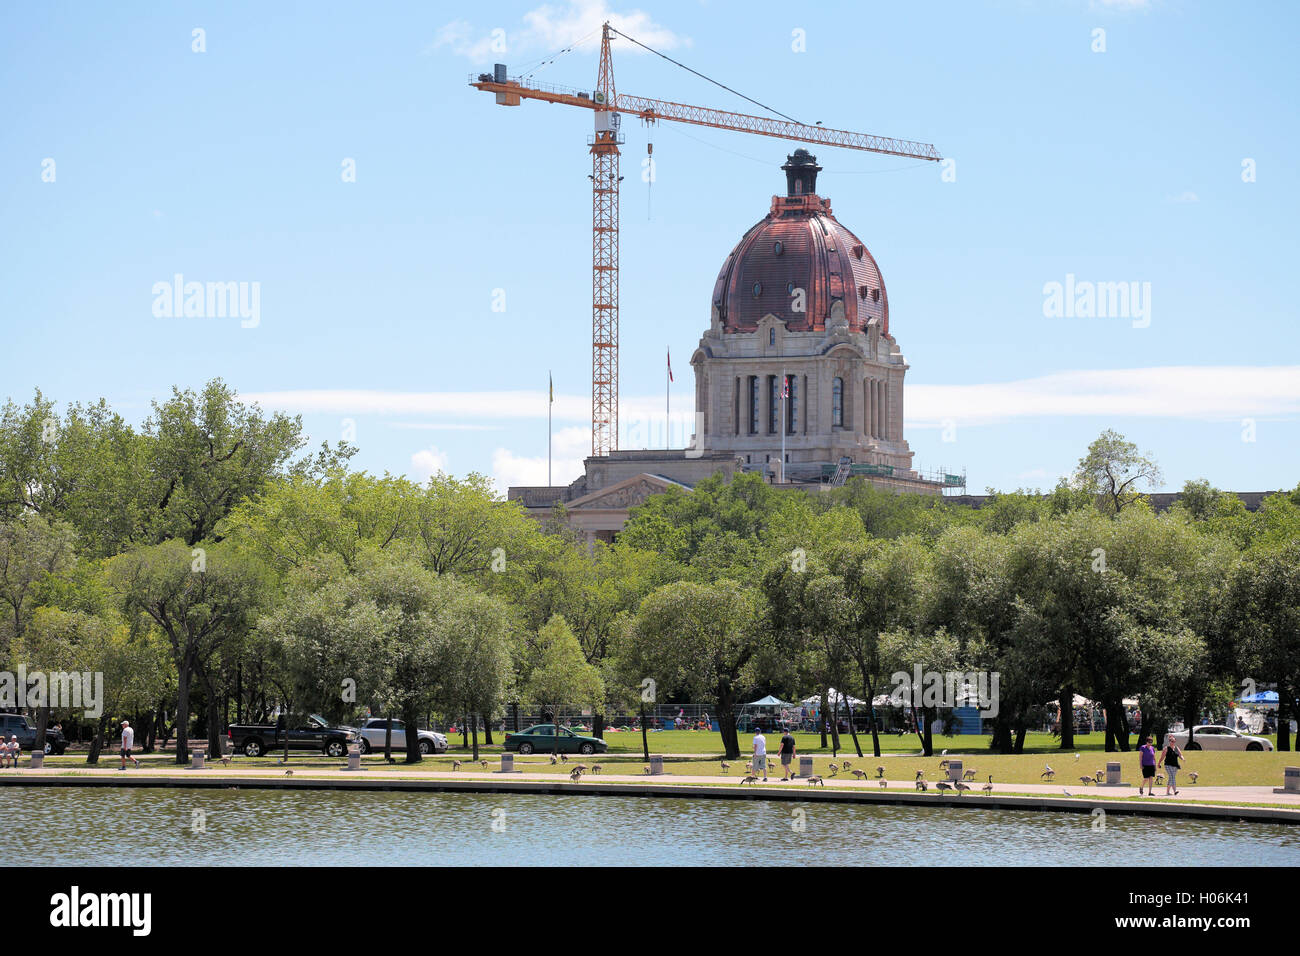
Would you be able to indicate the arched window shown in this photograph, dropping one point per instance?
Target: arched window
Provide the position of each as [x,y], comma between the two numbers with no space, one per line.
[837,403]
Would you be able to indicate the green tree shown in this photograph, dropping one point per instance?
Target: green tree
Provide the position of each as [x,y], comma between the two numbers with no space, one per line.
[1112,470]
[562,674]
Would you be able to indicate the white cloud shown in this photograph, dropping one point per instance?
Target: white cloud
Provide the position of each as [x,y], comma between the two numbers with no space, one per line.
[549,28]
[569,446]
[1187,196]
[1185,392]
[428,462]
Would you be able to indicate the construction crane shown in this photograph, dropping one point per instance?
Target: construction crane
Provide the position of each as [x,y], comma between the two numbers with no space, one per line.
[609,106]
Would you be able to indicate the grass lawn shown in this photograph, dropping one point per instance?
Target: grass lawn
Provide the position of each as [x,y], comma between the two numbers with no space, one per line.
[1215,768]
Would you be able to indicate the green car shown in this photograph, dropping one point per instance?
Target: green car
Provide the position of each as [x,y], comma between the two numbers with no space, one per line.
[540,738]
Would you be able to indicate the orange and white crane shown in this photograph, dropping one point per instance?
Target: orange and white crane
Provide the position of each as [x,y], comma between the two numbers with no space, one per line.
[609,106]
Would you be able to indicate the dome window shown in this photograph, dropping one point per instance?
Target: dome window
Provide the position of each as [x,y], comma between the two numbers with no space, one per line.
[863,292]
[875,295]
[790,287]
[778,247]
[858,250]
[758,289]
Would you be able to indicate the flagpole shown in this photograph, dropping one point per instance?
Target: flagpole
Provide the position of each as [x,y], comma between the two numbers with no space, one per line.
[550,402]
[668,416]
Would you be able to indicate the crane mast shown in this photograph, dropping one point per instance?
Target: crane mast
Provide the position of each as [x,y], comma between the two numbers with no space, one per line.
[609,108]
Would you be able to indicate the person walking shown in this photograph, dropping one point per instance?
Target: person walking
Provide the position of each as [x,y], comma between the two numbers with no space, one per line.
[1147,757]
[760,755]
[1172,759]
[787,754]
[128,740]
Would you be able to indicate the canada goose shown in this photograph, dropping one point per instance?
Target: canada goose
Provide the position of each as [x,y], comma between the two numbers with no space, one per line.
[880,772]
[834,770]
[225,759]
[596,768]
[920,774]
[554,760]
[455,765]
[1085,780]
[943,786]
[1099,776]
[575,774]
[1193,775]
[564,757]
[921,784]
[748,778]
[859,774]
[581,768]
[968,775]
[288,773]
[943,765]
[847,765]
[483,763]
[816,781]
[988,787]
[1160,779]
[771,764]
[961,786]
[1048,772]
[725,766]
[646,769]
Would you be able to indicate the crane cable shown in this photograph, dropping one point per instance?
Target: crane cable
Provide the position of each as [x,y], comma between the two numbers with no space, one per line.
[708,78]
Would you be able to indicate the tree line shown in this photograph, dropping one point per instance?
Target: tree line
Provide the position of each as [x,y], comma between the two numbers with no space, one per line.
[215,570]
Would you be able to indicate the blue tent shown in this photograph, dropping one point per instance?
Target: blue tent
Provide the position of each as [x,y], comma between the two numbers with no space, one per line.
[1263,697]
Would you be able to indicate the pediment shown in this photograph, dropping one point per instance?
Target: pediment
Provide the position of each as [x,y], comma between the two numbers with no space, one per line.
[625,494]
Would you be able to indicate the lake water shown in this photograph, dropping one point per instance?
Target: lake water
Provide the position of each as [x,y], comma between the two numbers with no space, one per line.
[260,827]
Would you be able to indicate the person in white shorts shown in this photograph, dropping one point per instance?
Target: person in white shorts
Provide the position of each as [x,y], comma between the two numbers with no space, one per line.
[128,739]
[760,755]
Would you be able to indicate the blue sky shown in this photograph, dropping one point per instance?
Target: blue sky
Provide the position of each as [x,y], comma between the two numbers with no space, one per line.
[376,311]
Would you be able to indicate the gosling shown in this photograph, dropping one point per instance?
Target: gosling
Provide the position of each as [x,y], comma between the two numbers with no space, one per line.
[596,768]
[455,765]
[1193,775]
[880,773]
[968,775]
[748,778]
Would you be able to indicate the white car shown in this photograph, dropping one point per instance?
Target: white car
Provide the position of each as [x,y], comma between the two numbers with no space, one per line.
[372,737]
[1218,737]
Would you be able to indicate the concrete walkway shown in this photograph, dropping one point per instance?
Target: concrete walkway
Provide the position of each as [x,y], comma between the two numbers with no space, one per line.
[1191,801]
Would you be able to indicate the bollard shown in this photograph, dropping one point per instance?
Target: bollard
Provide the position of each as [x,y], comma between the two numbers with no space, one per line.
[38,759]
[656,765]
[805,766]
[354,758]
[954,769]
[508,764]
[196,760]
[1290,780]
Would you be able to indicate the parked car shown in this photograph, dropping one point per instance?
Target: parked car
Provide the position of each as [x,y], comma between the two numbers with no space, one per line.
[540,738]
[1218,737]
[372,737]
[16,725]
[312,733]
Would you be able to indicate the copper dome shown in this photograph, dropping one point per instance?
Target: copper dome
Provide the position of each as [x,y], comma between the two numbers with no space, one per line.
[800,245]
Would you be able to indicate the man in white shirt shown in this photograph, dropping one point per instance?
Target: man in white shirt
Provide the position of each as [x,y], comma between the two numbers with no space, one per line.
[760,755]
[128,738]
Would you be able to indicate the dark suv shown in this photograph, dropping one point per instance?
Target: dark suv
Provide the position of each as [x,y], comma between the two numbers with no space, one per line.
[16,725]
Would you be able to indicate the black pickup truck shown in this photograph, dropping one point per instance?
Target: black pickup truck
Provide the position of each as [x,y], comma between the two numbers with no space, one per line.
[16,725]
[311,733]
